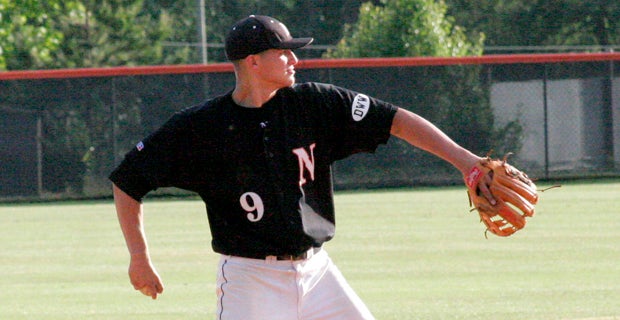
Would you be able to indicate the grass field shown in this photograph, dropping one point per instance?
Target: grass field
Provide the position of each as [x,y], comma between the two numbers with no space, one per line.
[410,254]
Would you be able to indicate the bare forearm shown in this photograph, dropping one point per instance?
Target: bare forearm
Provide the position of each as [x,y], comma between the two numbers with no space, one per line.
[130,217]
[421,133]
[142,274]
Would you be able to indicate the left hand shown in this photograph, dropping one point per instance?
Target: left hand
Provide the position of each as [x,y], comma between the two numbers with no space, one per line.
[144,277]
[484,186]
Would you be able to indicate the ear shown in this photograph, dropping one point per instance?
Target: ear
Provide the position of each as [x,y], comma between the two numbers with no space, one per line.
[252,61]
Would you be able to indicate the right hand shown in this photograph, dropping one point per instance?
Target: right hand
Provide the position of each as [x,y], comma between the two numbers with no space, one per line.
[143,275]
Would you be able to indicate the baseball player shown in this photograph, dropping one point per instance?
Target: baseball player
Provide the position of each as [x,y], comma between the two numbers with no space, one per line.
[260,156]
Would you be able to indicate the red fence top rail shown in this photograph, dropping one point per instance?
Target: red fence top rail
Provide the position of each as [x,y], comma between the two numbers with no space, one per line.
[313,64]
[443,61]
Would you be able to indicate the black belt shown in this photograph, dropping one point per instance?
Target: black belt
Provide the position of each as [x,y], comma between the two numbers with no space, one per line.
[302,256]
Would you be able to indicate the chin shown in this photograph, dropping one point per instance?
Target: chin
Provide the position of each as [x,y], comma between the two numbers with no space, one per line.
[290,82]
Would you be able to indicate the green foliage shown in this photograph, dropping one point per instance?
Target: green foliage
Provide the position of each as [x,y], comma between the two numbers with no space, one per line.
[70,34]
[28,37]
[182,21]
[114,33]
[405,28]
[322,19]
[541,22]
[87,33]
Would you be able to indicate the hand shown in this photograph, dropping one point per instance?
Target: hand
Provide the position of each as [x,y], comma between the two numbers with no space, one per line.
[479,181]
[483,186]
[143,276]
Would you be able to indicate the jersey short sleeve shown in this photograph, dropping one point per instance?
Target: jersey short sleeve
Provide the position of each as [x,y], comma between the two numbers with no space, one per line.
[160,160]
[355,122]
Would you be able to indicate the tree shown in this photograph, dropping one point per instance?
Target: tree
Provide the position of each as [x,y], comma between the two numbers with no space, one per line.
[79,33]
[541,22]
[220,14]
[28,37]
[113,33]
[322,19]
[405,28]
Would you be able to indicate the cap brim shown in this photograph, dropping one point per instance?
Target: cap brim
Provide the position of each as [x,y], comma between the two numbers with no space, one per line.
[295,43]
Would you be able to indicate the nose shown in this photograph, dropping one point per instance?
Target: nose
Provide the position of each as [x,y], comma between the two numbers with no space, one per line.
[292,58]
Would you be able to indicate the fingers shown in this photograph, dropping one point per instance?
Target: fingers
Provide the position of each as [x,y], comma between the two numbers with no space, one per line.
[484,186]
[147,291]
[151,290]
[478,180]
[144,277]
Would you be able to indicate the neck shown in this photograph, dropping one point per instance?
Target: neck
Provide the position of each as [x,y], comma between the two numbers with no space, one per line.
[250,97]
[252,90]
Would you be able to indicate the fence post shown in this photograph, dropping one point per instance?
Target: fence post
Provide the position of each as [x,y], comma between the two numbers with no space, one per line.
[39,143]
[545,118]
[608,116]
[113,107]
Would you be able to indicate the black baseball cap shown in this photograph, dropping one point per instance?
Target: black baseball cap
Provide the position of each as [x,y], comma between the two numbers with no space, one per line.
[256,34]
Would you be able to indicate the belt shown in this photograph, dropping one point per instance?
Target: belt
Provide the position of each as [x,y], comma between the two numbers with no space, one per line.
[291,257]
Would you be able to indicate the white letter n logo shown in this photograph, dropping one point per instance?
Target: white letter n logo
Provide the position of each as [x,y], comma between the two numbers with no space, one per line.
[305,161]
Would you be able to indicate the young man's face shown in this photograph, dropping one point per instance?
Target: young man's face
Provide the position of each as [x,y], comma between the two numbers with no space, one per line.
[277,67]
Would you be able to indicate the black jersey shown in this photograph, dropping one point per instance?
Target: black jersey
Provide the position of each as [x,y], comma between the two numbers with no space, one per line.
[264,173]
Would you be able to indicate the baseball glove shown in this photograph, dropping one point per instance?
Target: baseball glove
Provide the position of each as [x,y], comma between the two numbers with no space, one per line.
[514,192]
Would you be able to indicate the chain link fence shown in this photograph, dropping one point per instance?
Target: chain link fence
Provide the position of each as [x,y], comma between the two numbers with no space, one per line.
[62,132]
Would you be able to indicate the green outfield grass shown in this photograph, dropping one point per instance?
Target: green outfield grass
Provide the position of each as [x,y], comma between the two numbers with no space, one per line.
[410,254]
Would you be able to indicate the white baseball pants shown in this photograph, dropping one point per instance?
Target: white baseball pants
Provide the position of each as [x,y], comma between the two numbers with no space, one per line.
[314,288]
